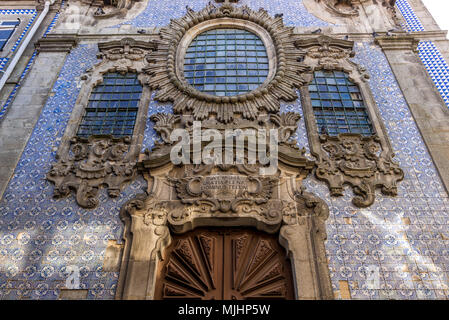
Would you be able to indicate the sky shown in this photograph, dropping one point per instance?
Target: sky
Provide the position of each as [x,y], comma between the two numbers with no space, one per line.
[440,11]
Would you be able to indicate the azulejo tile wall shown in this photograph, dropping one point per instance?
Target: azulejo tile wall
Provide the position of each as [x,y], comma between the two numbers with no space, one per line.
[403,240]
[431,57]
[158,13]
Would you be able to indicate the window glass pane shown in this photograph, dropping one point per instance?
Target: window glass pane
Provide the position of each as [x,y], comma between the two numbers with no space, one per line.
[106,113]
[236,62]
[5,34]
[338,104]
[10,23]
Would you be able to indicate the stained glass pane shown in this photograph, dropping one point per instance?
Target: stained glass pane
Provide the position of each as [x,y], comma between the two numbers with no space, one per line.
[112,106]
[226,62]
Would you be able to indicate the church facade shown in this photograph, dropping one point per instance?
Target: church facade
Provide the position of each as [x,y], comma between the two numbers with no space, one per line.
[232,149]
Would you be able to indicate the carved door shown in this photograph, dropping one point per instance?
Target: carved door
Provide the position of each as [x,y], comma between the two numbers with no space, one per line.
[225,264]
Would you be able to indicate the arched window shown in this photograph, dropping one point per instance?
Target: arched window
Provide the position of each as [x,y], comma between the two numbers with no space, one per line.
[338,104]
[112,107]
[226,62]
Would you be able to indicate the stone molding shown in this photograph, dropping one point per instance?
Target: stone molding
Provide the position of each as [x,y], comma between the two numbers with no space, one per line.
[56,43]
[364,163]
[398,42]
[92,163]
[85,165]
[286,207]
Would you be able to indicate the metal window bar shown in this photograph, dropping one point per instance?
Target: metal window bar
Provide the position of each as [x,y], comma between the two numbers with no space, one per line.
[226,62]
[338,104]
[112,107]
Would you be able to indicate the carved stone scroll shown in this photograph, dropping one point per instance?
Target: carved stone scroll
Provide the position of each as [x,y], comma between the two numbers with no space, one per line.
[367,15]
[360,162]
[110,8]
[91,163]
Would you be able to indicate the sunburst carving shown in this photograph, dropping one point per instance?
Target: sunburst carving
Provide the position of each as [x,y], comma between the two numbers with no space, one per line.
[225,264]
[170,87]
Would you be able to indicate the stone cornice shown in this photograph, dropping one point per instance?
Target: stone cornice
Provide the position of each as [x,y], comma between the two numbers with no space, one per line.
[56,43]
[398,42]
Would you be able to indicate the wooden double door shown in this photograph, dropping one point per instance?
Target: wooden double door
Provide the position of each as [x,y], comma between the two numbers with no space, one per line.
[225,264]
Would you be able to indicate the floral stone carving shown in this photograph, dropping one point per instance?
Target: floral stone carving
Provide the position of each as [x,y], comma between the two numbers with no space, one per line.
[360,162]
[91,163]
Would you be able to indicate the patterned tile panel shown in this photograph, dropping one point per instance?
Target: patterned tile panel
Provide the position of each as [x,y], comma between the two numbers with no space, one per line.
[431,57]
[159,13]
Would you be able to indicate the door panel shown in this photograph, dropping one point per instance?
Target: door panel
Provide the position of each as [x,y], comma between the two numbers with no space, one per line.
[225,264]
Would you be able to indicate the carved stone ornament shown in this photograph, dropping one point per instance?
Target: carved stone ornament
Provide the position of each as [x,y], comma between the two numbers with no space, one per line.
[85,165]
[166,68]
[182,196]
[91,163]
[363,162]
[360,162]
[110,8]
[345,8]
[367,15]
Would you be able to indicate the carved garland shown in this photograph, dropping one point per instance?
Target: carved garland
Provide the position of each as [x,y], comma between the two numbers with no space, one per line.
[164,74]
[362,162]
[85,165]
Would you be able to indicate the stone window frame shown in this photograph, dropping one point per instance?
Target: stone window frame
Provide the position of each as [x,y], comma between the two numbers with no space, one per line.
[359,78]
[94,77]
[87,164]
[363,162]
[167,64]
[12,28]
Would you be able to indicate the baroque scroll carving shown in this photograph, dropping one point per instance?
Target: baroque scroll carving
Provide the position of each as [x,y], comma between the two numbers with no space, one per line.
[85,165]
[91,163]
[110,8]
[360,162]
[167,78]
[374,14]
[363,162]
